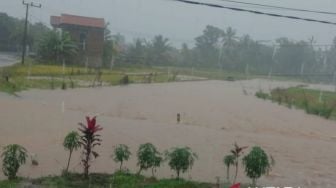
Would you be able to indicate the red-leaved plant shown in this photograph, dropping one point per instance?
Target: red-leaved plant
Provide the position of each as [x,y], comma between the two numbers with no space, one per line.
[89,139]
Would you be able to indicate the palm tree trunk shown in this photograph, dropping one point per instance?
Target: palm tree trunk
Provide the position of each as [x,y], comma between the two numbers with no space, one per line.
[121,163]
[235,177]
[228,174]
[67,168]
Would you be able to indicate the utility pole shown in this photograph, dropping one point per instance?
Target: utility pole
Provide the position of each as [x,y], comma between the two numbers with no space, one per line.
[24,41]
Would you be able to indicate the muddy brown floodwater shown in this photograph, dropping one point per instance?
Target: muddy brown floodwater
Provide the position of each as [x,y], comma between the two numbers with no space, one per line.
[214,115]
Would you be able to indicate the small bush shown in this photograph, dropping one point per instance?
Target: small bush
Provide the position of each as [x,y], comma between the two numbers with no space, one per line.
[64,86]
[124,80]
[262,95]
[121,153]
[228,160]
[256,164]
[279,99]
[148,157]
[126,180]
[181,159]
[71,143]
[13,157]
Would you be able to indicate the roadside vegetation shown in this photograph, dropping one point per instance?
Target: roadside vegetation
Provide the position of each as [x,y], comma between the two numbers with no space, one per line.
[312,101]
[52,76]
[180,160]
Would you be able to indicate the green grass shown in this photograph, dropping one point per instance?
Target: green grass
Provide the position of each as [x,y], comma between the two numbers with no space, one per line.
[35,75]
[117,180]
[306,99]
[9,184]
[50,76]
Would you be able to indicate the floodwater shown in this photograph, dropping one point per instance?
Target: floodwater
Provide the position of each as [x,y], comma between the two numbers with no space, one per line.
[7,59]
[214,115]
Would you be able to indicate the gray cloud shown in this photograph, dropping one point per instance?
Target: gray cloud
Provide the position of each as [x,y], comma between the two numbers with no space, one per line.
[182,23]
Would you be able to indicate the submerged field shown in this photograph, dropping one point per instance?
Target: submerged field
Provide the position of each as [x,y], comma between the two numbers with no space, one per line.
[215,114]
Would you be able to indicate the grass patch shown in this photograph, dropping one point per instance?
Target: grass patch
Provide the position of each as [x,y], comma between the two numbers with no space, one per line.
[51,76]
[260,94]
[117,180]
[312,101]
[9,183]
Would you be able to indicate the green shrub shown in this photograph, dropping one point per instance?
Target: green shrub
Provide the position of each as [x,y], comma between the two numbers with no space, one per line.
[279,99]
[126,180]
[13,157]
[71,142]
[148,157]
[326,111]
[181,159]
[173,183]
[124,80]
[121,153]
[305,105]
[260,94]
[256,164]
[229,160]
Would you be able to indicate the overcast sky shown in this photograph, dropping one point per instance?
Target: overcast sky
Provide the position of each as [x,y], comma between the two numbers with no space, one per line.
[182,23]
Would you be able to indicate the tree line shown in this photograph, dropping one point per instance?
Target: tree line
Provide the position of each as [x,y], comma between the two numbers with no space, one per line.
[215,48]
[11,33]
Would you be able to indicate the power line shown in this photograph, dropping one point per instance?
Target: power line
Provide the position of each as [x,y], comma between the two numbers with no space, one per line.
[281,7]
[255,12]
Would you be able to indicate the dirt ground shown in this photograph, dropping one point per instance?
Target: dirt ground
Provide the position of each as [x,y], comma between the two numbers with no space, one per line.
[215,114]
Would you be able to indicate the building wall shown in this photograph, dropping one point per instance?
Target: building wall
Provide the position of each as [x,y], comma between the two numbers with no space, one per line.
[94,44]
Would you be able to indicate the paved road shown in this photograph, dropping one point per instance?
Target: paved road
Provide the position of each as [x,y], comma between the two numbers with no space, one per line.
[7,59]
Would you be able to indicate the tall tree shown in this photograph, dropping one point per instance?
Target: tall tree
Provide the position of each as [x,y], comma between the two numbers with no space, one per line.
[207,46]
[158,50]
[55,45]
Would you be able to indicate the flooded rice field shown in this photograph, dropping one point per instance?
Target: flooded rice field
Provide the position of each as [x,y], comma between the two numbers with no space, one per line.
[214,115]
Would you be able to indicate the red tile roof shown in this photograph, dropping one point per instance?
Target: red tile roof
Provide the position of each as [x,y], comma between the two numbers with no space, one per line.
[55,20]
[77,20]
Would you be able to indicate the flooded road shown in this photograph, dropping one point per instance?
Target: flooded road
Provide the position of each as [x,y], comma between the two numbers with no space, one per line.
[214,115]
[7,59]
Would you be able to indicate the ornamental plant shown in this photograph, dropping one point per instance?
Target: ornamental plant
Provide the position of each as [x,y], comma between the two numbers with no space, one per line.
[229,160]
[148,157]
[237,151]
[256,164]
[121,153]
[89,140]
[181,160]
[13,157]
[71,143]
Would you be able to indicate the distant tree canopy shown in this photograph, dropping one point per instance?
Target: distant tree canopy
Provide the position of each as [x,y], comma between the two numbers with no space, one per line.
[215,48]
[56,46]
[11,33]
